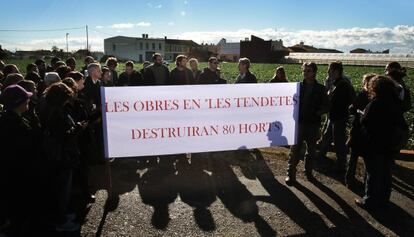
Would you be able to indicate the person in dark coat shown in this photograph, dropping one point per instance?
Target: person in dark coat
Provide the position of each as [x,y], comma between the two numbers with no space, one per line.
[181,75]
[130,77]
[92,90]
[280,75]
[380,126]
[91,94]
[106,77]
[62,151]
[354,142]
[112,64]
[397,74]
[144,65]
[194,69]
[313,103]
[41,66]
[19,159]
[245,76]
[34,77]
[77,108]
[71,62]
[341,96]
[32,114]
[211,74]
[55,62]
[88,60]
[156,73]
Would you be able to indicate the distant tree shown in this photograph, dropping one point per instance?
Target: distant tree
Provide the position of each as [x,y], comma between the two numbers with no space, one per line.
[55,49]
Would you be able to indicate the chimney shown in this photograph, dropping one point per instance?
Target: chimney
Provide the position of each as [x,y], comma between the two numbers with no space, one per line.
[143,36]
[165,37]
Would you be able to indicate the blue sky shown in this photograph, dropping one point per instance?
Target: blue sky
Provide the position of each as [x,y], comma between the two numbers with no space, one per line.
[336,24]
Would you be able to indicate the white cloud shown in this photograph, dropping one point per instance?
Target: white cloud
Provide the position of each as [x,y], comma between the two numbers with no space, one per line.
[143,24]
[171,23]
[398,39]
[122,26]
[185,2]
[75,43]
[151,5]
[99,27]
[183,13]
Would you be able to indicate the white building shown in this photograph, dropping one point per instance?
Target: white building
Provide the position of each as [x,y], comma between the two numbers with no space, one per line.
[131,48]
[142,49]
[228,51]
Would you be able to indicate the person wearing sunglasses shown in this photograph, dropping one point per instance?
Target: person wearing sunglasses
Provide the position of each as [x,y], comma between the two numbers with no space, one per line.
[211,74]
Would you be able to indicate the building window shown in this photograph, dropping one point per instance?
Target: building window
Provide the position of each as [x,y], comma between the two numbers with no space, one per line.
[159,46]
[141,46]
[113,47]
[140,57]
[153,46]
[146,46]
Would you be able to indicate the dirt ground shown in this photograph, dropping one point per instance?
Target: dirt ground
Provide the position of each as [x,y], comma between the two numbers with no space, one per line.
[238,194]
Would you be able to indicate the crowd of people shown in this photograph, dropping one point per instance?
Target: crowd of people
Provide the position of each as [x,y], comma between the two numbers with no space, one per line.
[51,130]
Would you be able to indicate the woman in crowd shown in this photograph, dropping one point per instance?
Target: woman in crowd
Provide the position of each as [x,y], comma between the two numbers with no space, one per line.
[356,109]
[280,75]
[61,148]
[380,139]
[18,175]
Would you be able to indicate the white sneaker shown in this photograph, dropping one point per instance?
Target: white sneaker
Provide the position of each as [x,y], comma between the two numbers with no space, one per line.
[68,226]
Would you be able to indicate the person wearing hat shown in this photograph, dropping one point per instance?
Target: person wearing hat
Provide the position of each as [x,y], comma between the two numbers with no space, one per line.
[18,158]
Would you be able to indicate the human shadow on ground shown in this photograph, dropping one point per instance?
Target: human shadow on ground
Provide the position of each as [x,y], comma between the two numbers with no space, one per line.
[284,199]
[351,223]
[403,180]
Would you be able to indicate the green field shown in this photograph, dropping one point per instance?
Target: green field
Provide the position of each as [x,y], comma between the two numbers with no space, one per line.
[264,72]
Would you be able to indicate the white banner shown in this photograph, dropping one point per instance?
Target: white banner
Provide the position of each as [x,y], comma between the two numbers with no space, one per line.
[160,120]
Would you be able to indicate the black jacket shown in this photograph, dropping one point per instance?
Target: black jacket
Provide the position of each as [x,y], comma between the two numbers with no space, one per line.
[135,79]
[361,101]
[20,164]
[248,78]
[184,77]
[149,77]
[210,77]
[378,125]
[92,92]
[341,98]
[312,104]
[20,143]
[60,137]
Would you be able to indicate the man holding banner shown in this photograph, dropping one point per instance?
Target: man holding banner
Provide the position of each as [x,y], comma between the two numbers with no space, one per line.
[313,103]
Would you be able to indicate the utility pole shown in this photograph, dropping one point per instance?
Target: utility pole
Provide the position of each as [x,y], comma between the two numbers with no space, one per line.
[67,43]
[87,39]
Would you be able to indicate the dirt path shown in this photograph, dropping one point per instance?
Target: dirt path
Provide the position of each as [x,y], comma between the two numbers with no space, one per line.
[239,194]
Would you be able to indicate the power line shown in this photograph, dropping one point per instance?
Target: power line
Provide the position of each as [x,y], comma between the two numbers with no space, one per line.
[40,30]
